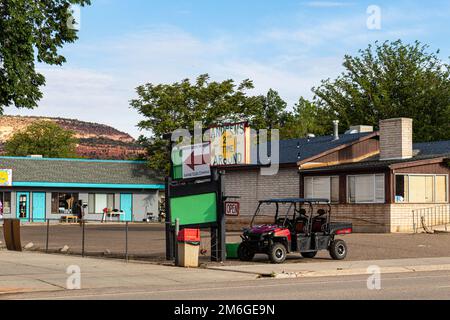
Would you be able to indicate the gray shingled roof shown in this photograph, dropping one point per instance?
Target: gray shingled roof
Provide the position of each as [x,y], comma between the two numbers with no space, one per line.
[79,171]
[294,150]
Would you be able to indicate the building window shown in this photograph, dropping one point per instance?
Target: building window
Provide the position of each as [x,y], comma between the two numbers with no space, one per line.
[5,202]
[97,202]
[64,203]
[322,188]
[367,188]
[415,188]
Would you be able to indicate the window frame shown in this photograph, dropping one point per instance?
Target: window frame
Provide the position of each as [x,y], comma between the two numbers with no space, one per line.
[58,193]
[374,175]
[434,175]
[2,199]
[330,177]
[94,197]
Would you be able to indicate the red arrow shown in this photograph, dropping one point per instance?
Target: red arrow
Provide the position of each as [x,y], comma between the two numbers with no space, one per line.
[193,160]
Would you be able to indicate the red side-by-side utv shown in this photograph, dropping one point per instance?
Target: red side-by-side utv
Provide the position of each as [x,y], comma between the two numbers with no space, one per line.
[301,229]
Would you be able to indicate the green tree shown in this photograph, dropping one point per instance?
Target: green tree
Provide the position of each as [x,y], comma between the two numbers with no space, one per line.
[391,79]
[306,118]
[167,107]
[270,112]
[30,30]
[42,138]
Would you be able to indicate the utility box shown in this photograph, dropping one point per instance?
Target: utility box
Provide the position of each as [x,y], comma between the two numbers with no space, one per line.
[188,248]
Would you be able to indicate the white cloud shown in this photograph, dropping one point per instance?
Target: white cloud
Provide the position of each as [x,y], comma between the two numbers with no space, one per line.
[86,95]
[294,60]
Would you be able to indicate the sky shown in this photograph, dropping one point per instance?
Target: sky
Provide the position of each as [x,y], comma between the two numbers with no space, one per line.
[287,45]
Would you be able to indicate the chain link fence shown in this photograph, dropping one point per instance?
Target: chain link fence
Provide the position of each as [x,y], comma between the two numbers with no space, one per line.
[121,240]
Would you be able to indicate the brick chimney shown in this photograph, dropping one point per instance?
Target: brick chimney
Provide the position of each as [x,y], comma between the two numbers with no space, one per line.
[396,139]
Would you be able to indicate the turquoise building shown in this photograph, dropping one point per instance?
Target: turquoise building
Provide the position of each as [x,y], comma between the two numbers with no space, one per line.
[35,189]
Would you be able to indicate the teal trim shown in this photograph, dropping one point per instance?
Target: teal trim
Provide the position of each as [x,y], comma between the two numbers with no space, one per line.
[88,185]
[75,160]
[27,205]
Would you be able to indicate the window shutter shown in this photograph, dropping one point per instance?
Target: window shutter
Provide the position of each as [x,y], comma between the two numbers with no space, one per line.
[308,187]
[441,188]
[91,203]
[321,187]
[100,202]
[111,201]
[417,187]
[334,189]
[364,189]
[429,188]
[351,189]
[379,189]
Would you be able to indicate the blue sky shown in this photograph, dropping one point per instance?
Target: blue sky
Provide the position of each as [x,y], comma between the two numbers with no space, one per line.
[288,45]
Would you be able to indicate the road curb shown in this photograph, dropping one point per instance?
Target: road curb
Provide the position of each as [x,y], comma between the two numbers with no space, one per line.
[338,271]
[358,271]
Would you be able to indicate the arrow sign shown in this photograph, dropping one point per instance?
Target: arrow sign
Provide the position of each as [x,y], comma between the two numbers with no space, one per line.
[196,161]
[193,160]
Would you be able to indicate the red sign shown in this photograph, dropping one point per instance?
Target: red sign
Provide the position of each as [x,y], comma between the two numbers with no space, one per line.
[232,209]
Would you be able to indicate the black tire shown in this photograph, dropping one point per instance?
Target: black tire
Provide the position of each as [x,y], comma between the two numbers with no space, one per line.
[244,253]
[309,255]
[277,253]
[338,249]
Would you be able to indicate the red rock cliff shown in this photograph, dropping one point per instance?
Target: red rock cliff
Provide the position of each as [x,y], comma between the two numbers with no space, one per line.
[96,141]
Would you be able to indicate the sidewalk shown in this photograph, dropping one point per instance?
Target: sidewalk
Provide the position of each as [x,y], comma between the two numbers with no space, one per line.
[31,272]
[339,268]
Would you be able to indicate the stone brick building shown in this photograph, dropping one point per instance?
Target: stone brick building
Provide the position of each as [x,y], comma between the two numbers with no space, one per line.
[379,181]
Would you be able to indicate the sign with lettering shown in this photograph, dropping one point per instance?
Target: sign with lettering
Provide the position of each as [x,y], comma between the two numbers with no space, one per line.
[232,209]
[5,177]
[230,144]
[196,161]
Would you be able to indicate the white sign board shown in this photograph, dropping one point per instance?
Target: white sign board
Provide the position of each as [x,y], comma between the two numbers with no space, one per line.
[230,144]
[196,161]
[5,178]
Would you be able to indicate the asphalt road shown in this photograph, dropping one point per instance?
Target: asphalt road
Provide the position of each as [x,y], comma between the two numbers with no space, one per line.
[421,285]
[147,241]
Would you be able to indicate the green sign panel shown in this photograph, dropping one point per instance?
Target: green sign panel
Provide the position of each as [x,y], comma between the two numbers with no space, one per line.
[195,209]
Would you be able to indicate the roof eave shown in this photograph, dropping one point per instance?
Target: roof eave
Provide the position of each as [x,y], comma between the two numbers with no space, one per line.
[340,147]
[414,163]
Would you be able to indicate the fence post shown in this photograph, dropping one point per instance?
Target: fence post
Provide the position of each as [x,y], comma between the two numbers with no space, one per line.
[82,237]
[126,241]
[46,239]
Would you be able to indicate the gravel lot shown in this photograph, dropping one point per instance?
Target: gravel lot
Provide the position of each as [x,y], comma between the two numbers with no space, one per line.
[146,241]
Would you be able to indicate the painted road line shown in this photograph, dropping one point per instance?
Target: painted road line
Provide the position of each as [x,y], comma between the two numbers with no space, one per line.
[270,283]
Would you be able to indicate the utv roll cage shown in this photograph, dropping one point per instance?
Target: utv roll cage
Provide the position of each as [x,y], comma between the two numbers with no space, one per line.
[297,204]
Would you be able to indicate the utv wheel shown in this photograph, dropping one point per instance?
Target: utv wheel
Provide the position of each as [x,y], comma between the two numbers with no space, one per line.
[309,255]
[277,253]
[244,253]
[338,249]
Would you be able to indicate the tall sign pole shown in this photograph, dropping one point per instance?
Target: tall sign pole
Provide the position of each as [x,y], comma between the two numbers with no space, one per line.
[195,188]
[170,241]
